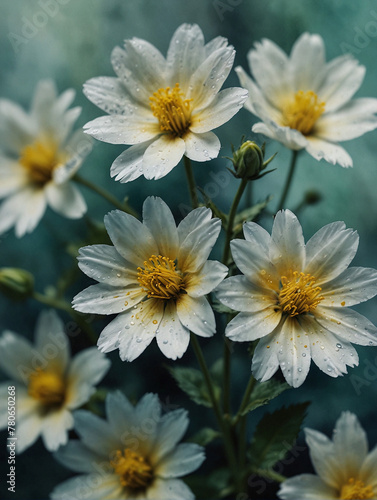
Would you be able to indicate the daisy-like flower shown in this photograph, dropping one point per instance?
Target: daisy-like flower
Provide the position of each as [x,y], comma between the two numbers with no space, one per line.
[306,103]
[156,276]
[38,156]
[49,384]
[293,298]
[164,108]
[345,470]
[135,454]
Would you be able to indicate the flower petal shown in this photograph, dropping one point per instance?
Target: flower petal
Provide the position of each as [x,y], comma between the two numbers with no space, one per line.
[354,285]
[77,457]
[306,487]
[196,314]
[55,429]
[66,199]
[16,356]
[162,156]
[120,412]
[172,337]
[128,166]
[265,359]
[96,486]
[172,489]
[246,327]
[171,428]
[95,433]
[185,458]
[205,280]
[332,153]
[109,95]
[201,147]
[307,62]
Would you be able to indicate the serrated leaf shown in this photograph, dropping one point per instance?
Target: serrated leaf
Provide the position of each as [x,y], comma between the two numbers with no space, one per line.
[204,436]
[263,393]
[274,435]
[192,382]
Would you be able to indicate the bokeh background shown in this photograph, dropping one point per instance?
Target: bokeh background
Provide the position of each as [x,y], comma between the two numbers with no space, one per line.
[71,41]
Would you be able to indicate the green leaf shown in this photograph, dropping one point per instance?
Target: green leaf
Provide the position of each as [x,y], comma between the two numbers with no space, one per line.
[249,214]
[192,382]
[275,434]
[213,485]
[220,308]
[263,393]
[204,436]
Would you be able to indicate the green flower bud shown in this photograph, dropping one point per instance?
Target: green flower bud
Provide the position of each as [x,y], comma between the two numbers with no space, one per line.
[17,284]
[248,160]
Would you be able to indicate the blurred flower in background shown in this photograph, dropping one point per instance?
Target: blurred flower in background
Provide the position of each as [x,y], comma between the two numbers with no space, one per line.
[38,156]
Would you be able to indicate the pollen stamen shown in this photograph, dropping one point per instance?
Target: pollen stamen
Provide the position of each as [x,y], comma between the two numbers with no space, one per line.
[132,468]
[40,159]
[47,387]
[160,279]
[356,490]
[298,295]
[302,112]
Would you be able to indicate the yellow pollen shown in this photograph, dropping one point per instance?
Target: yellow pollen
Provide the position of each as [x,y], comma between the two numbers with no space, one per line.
[40,159]
[133,469]
[302,112]
[356,490]
[172,111]
[47,387]
[160,279]
[298,295]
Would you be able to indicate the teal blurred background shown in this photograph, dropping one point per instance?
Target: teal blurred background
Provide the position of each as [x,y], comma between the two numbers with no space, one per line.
[71,41]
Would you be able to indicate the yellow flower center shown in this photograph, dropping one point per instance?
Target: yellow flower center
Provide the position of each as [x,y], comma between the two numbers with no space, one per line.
[302,112]
[133,469]
[356,490]
[172,111]
[160,279]
[298,295]
[47,387]
[40,159]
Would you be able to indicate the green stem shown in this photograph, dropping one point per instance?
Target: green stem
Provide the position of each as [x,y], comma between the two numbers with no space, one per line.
[231,217]
[226,377]
[66,306]
[289,180]
[270,474]
[223,426]
[191,182]
[106,195]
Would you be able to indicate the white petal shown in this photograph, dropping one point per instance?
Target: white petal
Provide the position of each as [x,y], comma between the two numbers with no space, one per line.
[128,166]
[169,489]
[157,217]
[95,433]
[13,176]
[131,238]
[17,129]
[306,487]
[197,233]
[118,129]
[88,368]
[196,314]
[265,359]
[307,62]
[66,199]
[185,53]
[216,43]
[107,299]
[23,209]
[55,429]
[108,94]
[172,337]
[201,147]
[28,430]
[330,251]
[256,96]
[342,79]
[347,324]
[210,76]
[290,138]
[223,107]
[246,327]
[185,458]
[16,355]
[257,235]
[77,457]
[205,280]
[50,336]
[171,429]
[162,156]
[95,486]
[354,285]
[103,263]
[368,471]
[351,121]
[287,250]
[332,153]
[120,412]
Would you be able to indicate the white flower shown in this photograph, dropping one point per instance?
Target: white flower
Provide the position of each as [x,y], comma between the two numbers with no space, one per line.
[156,276]
[38,155]
[292,297]
[49,384]
[344,467]
[135,454]
[164,108]
[304,102]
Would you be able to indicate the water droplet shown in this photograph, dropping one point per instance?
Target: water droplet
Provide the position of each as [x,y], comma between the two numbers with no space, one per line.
[165,342]
[138,340]
[303,354]
[339,346]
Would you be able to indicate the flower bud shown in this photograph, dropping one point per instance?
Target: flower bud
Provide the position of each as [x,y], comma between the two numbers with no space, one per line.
[248,161]
[17,284]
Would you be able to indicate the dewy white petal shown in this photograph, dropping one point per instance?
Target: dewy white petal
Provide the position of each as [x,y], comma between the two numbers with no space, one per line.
[330,251]
[292,139]
[265,359]
[119,129]
[205,280]
[66,199]
[172,337]
[246,327]
[131,238]
[306,487]
[185,53]
[307,62]
[223,107]
[157,217]
[196,315]
[162,156]
[103,263]
[185,458]
[238,293]
[354,285]
[332,153]
[108,94]
[128,166]
[201,147]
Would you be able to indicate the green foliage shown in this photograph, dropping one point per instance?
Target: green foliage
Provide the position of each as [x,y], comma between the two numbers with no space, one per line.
[192,382]
[263,393]
[205,436]
[275,434]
